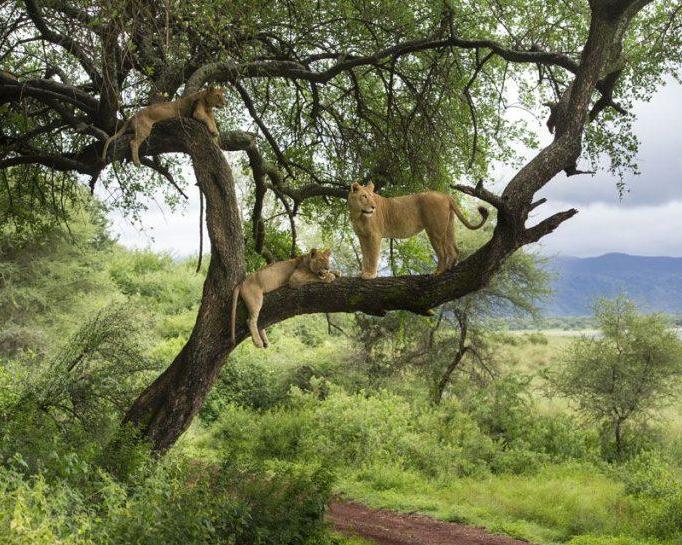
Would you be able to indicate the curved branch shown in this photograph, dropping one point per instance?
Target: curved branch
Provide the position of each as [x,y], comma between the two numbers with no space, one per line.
[61,163]
[546,226]
[266,132]
[70,45]
[482,193]
[416,294]
[156,165]
[12,92]
[227,71]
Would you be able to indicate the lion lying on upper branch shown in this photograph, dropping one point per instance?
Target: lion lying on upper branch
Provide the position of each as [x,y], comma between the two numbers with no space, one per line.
[375,217]
[198,105]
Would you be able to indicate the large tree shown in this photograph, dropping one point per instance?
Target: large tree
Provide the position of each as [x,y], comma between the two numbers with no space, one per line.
[408,94]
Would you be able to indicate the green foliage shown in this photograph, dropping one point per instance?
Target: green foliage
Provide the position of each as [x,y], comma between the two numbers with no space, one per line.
[246,384]
[656,482]
[627,374]
[76,399]
[284,427]
[506,411]
[364,430]
[174,502]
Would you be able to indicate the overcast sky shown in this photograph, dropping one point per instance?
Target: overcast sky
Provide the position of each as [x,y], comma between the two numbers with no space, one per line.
[648,221]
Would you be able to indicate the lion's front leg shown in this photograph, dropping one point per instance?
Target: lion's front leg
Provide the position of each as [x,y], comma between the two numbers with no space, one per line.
[327,277]
[200,114]
[370,256]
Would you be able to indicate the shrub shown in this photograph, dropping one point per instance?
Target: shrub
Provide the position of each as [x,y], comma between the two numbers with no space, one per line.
[244,383]
[175,503]
[354,430]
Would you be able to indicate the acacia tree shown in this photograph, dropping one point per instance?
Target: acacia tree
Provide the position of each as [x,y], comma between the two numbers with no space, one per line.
[408,95]
[629,373]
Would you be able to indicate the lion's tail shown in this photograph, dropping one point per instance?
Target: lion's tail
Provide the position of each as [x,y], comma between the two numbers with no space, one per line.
[118,133]
[482,210]
[235,301]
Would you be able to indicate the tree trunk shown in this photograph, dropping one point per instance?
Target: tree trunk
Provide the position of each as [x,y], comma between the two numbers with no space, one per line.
[618,435]
[166,408]
[462,349]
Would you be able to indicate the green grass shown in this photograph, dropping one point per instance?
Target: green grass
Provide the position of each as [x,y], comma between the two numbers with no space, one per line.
[549,507]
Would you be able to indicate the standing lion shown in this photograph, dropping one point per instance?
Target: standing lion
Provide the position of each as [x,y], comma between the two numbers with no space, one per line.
[375,217]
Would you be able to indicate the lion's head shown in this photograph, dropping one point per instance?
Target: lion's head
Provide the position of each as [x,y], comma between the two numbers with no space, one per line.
[362,199]
[215,97]
[318,261]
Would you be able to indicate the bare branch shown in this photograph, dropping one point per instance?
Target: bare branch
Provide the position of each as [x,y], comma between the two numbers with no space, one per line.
[66,42]
[266,132]
[156,165]
[546,226]
[481,193]
[537,203]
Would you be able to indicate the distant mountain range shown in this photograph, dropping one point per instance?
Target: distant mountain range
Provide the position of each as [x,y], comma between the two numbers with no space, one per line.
[654,283]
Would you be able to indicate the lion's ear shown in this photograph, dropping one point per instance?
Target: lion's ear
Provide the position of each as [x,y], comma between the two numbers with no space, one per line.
[313,252]
[370,186]
[355,186]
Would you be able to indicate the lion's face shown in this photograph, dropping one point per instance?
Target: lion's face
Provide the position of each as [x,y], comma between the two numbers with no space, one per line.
[215,96]
[319,261]
[362,199]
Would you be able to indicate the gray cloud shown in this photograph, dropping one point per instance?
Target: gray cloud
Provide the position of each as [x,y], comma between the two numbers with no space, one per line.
[658,127]
[602,228]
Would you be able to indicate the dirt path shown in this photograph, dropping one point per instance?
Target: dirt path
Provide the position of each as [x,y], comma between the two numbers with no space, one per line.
[392,528]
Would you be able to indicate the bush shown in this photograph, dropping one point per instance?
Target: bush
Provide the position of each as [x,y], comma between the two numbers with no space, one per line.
[246,385]
[351,431]
[74,400]
[505,411]
[174,502]
[537,338]
[657,486]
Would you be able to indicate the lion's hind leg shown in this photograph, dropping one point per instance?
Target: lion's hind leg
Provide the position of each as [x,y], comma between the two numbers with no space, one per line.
[142,130]
[452,252]
[264,338]
[253,299]
[439,245]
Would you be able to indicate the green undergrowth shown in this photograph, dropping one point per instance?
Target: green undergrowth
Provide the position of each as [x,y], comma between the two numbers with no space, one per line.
[518,472]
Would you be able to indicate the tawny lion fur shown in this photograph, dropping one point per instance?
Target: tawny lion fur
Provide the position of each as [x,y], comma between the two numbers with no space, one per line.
[198,105]
[375,217]
[306,269]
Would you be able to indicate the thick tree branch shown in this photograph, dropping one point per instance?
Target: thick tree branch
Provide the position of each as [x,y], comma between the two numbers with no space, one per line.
[56,162]
[13,92]
[227,71]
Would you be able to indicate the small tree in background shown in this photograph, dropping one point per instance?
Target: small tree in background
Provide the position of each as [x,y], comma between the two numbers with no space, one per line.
[627,374]
[456,339]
